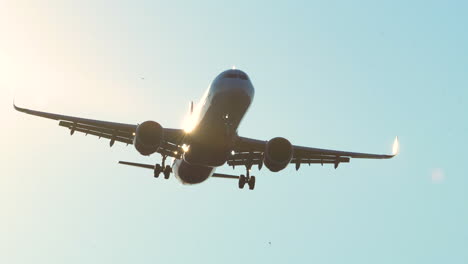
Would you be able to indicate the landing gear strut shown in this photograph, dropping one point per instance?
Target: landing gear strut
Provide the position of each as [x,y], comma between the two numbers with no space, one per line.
[165,169]
[250,180]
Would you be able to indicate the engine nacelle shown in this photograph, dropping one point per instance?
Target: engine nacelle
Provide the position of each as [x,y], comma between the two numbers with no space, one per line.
[278,154]
[148,137]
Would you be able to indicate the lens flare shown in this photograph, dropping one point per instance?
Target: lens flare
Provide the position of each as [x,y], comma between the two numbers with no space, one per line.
[185,148]
[191,119]
[189,122]
[437,175]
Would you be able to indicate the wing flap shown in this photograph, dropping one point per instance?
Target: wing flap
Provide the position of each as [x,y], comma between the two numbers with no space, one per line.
[98,134]
[121,136]
[71,125]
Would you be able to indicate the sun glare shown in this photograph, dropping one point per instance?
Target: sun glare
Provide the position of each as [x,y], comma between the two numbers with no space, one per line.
[191,119]
[185,148]
[188,123]
[396,147]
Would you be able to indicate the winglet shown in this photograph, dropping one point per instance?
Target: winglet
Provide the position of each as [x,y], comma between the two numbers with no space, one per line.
[17,108]
[396,147]
[14,105]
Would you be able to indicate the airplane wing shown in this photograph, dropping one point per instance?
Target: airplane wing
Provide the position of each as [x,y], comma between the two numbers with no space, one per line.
[249,152]
[120,132]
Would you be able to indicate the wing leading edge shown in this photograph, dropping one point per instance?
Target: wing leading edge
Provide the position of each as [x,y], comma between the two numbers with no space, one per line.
[113,131]
[249,152]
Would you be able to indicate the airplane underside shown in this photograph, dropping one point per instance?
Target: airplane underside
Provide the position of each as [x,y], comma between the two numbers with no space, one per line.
[210,140]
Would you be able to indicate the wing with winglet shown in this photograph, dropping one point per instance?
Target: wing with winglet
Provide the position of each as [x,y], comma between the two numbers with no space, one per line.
[250,152]
[120,132]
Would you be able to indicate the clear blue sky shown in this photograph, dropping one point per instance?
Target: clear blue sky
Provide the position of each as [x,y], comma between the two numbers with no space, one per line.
[346,75]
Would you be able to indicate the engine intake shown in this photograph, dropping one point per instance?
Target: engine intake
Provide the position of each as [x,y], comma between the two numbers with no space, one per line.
[148,137]
[278,154]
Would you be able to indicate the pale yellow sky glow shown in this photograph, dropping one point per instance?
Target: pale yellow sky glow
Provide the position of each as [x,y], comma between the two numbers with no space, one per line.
[51,66]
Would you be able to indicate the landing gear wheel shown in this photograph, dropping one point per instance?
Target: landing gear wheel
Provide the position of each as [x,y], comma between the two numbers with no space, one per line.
[251,182]
[242,181]
[157,170]
[167,172]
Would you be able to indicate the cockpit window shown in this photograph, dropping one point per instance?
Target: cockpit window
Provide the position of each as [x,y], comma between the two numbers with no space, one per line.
[235,75]
[230,75]
[243,76]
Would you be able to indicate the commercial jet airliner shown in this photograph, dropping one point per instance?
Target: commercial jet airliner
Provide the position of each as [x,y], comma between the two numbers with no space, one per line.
[210,139]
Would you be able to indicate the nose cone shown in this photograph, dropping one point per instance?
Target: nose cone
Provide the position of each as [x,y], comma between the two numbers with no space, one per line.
[233,74]
[235,82]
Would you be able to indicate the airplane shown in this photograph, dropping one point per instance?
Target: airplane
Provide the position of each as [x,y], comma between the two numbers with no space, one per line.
[209,139]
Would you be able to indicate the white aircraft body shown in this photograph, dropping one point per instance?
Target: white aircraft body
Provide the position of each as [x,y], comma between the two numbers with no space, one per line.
[210,139]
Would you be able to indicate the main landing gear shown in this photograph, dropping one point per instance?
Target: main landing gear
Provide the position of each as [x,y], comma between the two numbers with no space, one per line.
[250,180]
[165,169]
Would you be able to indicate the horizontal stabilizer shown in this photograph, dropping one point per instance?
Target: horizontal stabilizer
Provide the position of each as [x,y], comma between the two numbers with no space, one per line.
[225,176]
[145,166]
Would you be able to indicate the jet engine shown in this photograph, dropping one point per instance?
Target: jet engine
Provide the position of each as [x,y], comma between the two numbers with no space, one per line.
[148,137]
[278,154]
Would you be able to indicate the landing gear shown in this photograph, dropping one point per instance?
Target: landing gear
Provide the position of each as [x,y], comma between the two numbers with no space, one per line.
[167,172]
[242,181]
[250,180]
[157,170]
[252,183]
[165,169]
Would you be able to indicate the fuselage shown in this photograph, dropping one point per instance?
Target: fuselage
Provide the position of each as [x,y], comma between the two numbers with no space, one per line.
[213,126]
